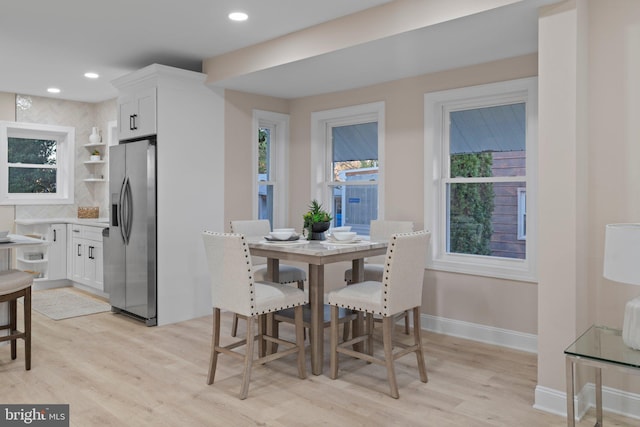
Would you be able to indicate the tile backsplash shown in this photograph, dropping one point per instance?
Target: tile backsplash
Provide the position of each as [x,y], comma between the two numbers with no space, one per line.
[82,116]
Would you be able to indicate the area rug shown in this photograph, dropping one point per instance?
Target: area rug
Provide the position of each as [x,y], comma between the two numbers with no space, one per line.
[64,303]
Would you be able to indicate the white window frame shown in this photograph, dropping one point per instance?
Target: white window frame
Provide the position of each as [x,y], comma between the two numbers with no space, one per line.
[65,137]
[279,164]
[436,105]
[321,156]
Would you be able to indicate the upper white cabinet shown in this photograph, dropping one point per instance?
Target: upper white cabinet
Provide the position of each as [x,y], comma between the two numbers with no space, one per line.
[137,112]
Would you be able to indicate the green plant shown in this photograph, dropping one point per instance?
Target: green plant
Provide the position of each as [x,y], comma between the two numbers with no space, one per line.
[315,215]
[471,205]
[95,153]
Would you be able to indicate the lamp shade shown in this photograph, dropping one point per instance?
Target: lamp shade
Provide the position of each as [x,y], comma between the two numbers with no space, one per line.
[622,253]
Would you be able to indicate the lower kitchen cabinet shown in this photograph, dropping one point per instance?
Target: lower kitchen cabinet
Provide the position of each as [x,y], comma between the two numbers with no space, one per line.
[85,255]
[49,261]
[57,252]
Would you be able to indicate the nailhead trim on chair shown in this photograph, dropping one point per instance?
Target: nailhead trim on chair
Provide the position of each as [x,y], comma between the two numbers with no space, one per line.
[248,257]
[386,286]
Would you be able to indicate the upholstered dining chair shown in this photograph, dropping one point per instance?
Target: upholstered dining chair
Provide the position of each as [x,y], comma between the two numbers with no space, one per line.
[287,273]
[13,285]
[373,268]
[234,289]
[400,290]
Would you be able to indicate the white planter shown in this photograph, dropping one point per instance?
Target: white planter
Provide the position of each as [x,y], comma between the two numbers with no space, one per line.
[94,158]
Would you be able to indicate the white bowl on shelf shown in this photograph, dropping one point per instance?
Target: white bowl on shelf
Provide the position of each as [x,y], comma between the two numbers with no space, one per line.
[344,236]
[341,228]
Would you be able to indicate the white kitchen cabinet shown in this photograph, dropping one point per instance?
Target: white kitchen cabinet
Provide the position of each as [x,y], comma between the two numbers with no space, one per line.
[46,262]
[136,112]
[190,143]
[85,254]
[57,252]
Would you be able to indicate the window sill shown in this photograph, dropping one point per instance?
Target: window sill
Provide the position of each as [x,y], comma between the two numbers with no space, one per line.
[517,270]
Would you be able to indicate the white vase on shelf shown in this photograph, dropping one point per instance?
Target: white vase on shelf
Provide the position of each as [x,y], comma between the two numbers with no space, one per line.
[95,138]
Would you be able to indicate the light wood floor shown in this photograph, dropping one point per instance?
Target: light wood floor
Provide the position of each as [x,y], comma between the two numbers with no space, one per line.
[114,371]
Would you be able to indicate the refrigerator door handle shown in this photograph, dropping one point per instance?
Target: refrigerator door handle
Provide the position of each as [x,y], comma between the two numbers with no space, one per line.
[121,203]
[129,210]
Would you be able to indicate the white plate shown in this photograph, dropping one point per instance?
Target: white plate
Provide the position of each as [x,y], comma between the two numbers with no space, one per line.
[293,238]
[285,242]
[338,242]
[5,240]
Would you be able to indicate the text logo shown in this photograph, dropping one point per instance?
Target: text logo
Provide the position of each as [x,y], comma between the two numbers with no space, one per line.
[34,415]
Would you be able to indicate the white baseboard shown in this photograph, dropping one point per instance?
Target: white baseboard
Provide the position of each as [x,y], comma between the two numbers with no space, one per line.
[552,401]
[482,333]
[613,400]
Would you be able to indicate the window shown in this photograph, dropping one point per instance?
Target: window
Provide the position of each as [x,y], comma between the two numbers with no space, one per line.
[480,145]
[271,167]
[346,154]
[37,164]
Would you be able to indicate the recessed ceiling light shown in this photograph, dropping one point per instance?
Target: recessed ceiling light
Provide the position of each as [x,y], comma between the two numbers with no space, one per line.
[53,90]
[238,16]
[91,75]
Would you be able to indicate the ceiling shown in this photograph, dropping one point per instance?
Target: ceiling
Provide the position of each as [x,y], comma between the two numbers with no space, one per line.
[48,43]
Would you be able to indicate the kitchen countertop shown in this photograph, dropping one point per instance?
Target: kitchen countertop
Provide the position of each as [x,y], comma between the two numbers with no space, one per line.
[95,222]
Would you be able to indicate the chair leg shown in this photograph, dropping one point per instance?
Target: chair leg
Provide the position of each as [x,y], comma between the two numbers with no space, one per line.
[215,343]
[387,326]
[27,329]
[406,322]
[346,330]
[248,359]
[333,370]
[299,316]
[262,331]
[369,331]
[419,352]
[234,326]
[13,326]
[358,330]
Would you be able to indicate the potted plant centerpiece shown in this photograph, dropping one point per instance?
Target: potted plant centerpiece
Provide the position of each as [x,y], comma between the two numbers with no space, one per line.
[316,221]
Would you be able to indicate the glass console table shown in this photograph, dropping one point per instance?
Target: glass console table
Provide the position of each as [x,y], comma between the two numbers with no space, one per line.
[599,347]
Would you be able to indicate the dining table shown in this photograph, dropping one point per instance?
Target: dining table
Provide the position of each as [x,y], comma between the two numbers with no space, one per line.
[317,254]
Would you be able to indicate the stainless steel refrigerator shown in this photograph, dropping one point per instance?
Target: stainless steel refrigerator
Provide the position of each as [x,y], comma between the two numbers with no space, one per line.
[130,248]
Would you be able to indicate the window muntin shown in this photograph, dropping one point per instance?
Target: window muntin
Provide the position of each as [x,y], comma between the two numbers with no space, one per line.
[37,163]
[479,150]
